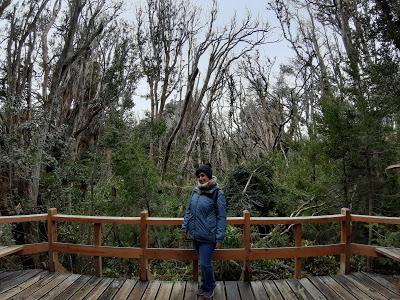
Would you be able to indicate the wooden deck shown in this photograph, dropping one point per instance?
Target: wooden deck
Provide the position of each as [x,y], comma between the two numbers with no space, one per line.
[393,253]
[39,284]
[8,250]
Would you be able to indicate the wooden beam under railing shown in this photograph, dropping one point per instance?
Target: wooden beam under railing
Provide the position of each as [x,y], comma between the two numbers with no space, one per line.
[190,254]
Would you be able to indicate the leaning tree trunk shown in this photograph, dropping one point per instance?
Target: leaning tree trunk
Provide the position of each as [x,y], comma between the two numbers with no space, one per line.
[188,96]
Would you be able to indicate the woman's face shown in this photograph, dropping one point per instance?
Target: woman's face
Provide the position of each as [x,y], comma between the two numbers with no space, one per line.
[203,178]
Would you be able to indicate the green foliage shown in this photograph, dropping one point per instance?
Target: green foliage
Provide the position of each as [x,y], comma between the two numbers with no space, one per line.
[308,175]
[336,126]
[321,266]
[249,186]
[5,234]
[386,236]
[138,177]
[233,237]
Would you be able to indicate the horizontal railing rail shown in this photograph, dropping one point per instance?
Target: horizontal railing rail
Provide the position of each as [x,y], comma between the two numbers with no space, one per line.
[96,219]
[23,218]
[375,219]
[246,254]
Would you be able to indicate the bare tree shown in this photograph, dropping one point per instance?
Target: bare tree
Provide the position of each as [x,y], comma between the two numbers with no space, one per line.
[70,80]
[4,5]
[163,29]
[61,69]
[226,47]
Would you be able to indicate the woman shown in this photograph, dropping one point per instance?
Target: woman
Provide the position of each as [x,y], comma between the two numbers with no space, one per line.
[205,220]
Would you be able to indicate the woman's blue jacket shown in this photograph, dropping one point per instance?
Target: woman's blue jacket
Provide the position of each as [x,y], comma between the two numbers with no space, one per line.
[204,219]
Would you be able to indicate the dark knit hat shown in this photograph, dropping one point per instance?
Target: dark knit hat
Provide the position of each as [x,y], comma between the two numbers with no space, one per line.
[206,169]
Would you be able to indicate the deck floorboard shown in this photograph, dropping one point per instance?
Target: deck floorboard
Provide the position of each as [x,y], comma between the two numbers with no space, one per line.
[125,290]
[272,291]
[367,281]
[178,290]
[38,284]
[73,288]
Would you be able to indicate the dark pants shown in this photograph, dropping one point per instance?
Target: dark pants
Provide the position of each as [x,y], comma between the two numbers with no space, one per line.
[205,252]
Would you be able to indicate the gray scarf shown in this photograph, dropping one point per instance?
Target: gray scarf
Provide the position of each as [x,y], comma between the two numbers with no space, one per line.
[208,185]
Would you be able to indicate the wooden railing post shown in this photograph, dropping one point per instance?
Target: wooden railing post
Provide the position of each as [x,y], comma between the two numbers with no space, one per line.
[195,270]
[297,243]
[246,272]
[97,242]
[51,238]
[345,237]
[144,243]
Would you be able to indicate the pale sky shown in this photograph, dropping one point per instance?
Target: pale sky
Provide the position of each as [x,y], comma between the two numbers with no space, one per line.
[226,9]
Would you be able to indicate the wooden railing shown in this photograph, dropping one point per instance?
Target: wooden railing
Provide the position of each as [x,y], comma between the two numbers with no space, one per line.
[345,248]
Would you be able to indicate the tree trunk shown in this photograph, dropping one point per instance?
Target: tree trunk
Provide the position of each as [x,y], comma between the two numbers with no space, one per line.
[188,96]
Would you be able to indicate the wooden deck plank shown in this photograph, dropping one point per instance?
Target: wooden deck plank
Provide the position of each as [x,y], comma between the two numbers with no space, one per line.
[85,289]
[178,290]
[10,275]
[367,281]
[353,289]
[386,283]
[232,291]
[340,290]
[45,286]
[73,288]
[99,289]
[17,289]
[219,291]
[190,291]
[152,290]
[4,275]
[272,291]
[285,289]
[310,287]
[60,288]
[48,287]
[164,291]
[245,290]
[125,290]
[299,290]
[138,290]
[370,291]
[8,250]
[258,290]
[324,289]
[12,281]
[7,281]
[45,279]
[389,252]
[112,289]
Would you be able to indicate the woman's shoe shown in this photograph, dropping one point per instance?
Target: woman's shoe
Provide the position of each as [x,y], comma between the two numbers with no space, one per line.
[200,292]
[208,295]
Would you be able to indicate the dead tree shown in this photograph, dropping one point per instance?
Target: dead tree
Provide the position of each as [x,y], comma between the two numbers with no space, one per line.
[163,29]
[226,47]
